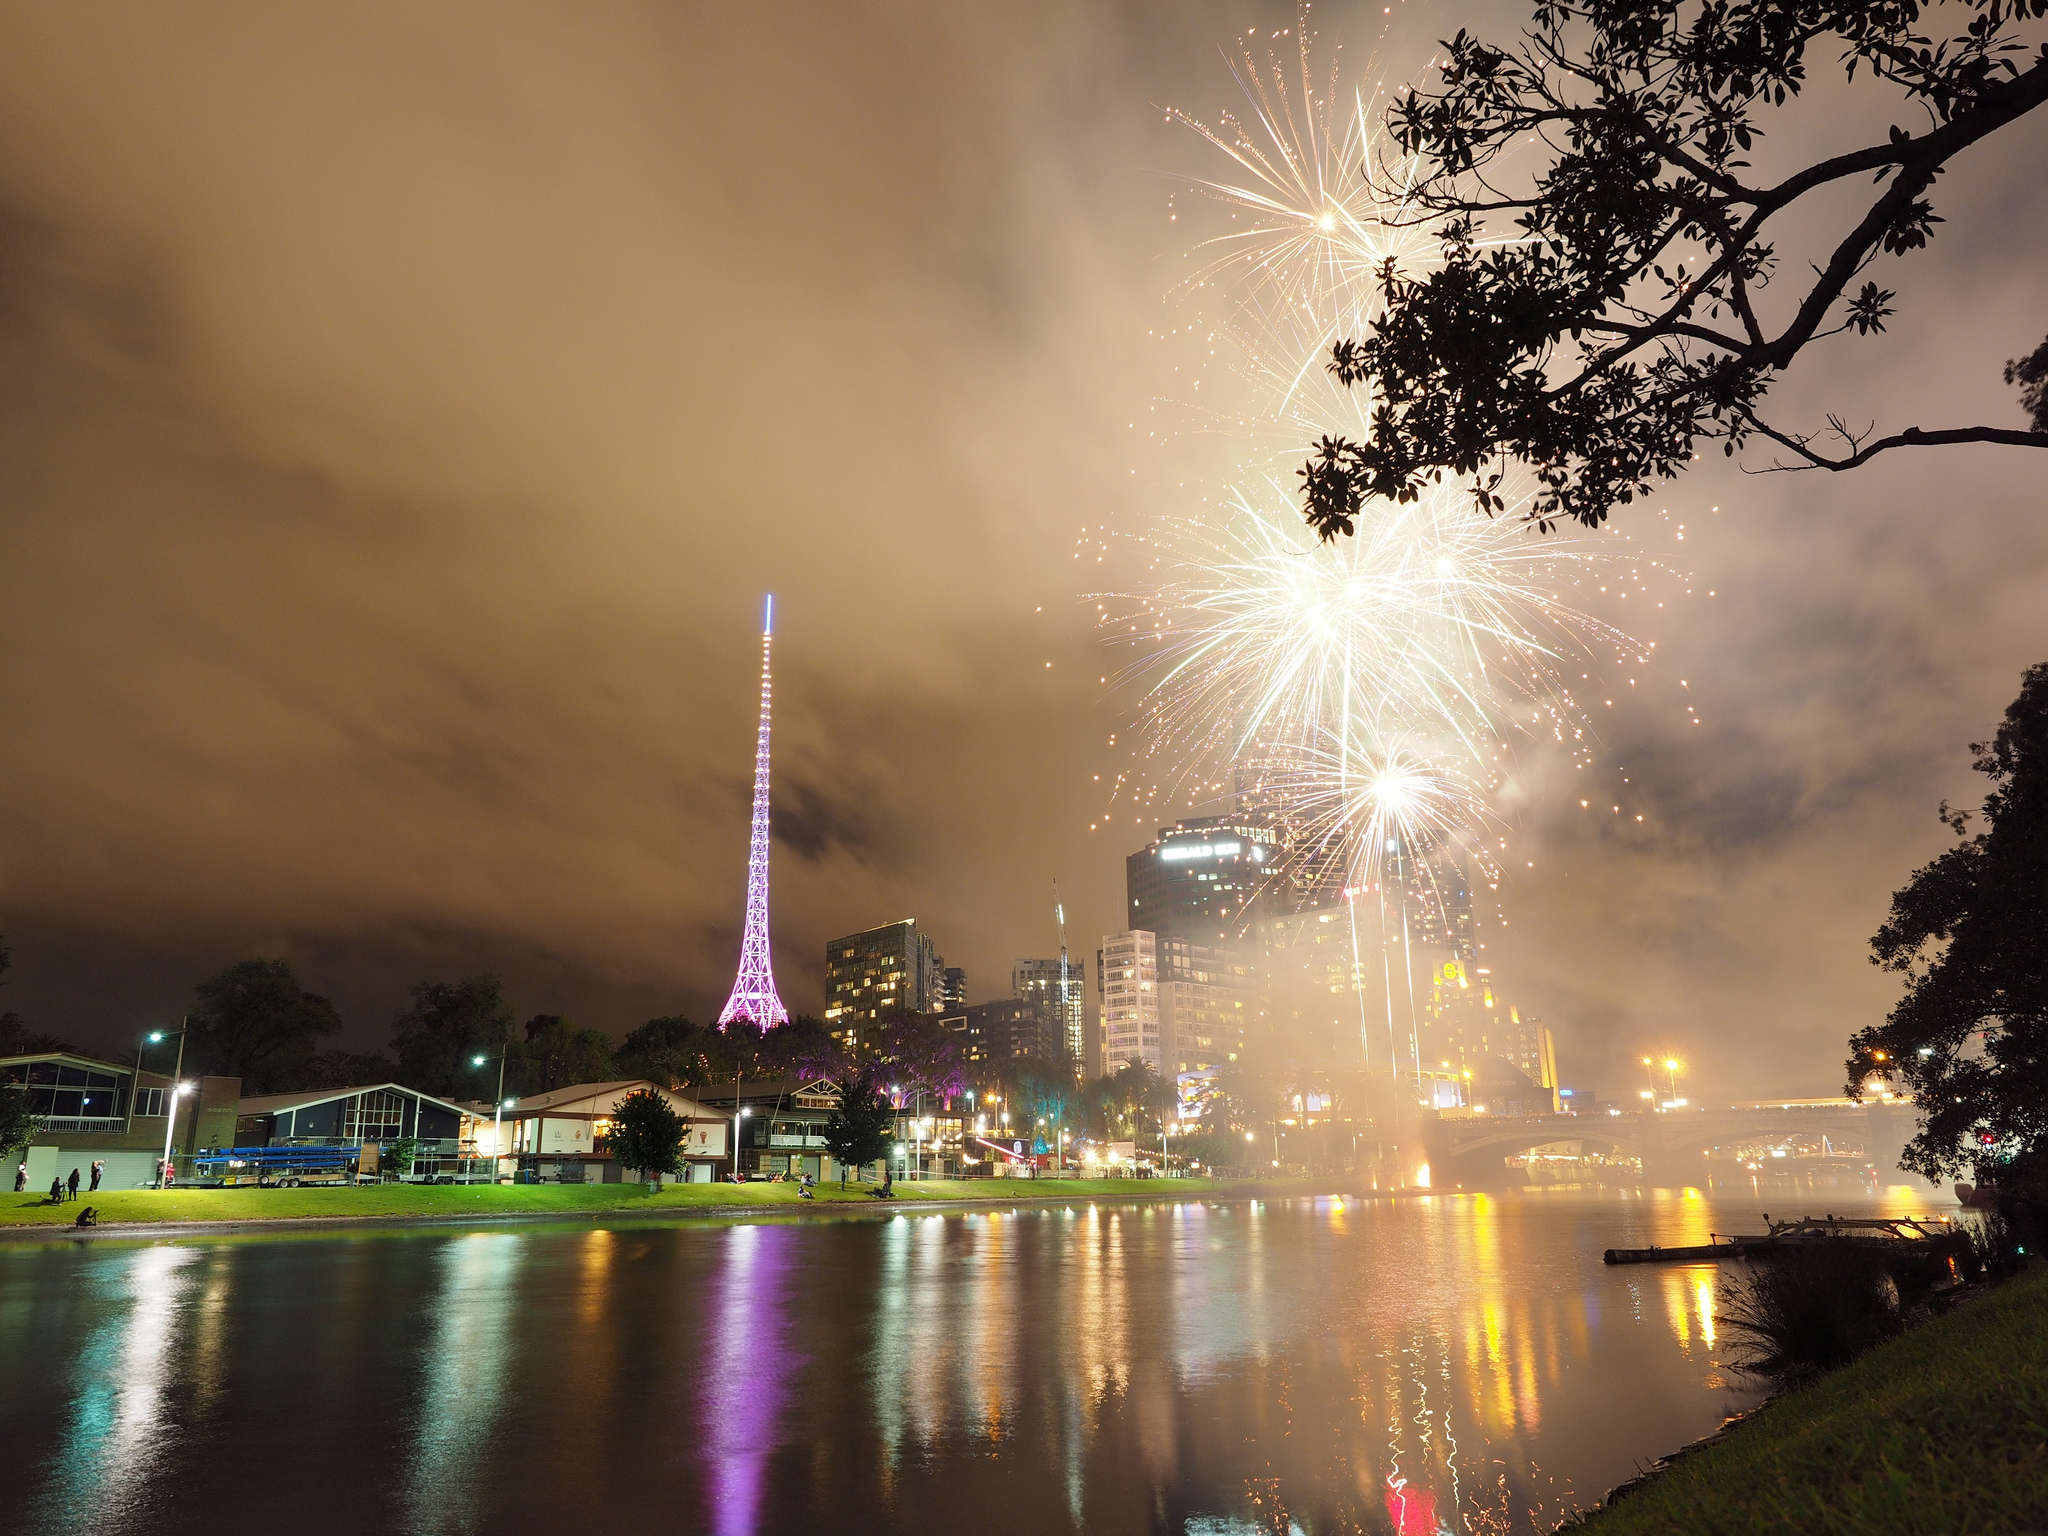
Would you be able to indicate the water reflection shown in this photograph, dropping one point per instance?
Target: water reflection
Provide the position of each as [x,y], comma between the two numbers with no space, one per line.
[1448,1363]
[748,1373]
[465,1376]
[120,1436]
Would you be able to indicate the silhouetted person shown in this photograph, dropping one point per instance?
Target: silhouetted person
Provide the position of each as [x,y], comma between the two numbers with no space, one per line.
[99,1167]
[20,1177]
[56,1190]
[73,1191]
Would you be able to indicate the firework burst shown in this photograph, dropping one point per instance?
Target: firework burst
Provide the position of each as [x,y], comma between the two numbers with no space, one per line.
[1369,691]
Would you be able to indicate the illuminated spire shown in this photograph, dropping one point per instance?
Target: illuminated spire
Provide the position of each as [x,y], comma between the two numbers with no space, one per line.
[753,990]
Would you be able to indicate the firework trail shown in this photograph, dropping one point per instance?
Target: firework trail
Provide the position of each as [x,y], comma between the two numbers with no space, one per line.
[1367,691]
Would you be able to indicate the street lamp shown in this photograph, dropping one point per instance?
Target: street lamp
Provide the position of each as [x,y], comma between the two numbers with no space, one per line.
[498,1104]
[155,1037]
[737,1116]
[1671,1065]
[177,1092]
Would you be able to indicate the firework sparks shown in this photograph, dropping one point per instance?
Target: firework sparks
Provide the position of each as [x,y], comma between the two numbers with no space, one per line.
[1369,691]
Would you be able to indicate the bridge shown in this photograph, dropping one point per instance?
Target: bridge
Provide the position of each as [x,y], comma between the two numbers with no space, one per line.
[1670,1143]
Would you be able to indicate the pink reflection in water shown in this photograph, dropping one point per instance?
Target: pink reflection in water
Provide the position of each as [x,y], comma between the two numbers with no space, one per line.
[748,1372]
[1413,1510]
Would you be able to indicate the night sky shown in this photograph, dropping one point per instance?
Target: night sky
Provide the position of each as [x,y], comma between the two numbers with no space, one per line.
[403,410]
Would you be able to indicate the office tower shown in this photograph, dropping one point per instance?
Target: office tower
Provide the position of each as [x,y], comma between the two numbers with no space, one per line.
[1012,1030]
[1209,1004]
[952,989]
[873,974]
[1057,989]
[1204,879]
[1129,980]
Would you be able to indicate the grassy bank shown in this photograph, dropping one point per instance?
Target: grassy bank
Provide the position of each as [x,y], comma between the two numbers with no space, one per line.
[460,1202]
[1943,1429]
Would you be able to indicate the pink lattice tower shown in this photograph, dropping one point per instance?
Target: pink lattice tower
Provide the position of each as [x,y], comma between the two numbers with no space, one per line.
[753,990]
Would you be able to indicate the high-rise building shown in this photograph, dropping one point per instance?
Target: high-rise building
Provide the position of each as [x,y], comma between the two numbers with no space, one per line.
[1057,988]
[1012,1029]
[1209,1004]
[1205,880]
[1129,983]
[953,989]
[1531,1049]
[881,971]
[753,990]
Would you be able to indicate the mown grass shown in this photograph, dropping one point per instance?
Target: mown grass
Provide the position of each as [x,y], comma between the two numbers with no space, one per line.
[460,1202]
[1944,1429]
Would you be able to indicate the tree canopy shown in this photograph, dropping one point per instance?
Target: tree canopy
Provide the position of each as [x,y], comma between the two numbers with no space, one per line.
[1601,319]
[647,1134]
[556,1053]
[254,1021]
[859,1129]
[1970,1037]
[448,1024]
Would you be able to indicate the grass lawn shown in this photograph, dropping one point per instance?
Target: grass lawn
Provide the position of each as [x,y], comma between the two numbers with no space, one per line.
[456,1201]
[1944,1429]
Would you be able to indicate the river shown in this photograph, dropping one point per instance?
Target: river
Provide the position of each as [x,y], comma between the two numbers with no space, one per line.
[1203,1368]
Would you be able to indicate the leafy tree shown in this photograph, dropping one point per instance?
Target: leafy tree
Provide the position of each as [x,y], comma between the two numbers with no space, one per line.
[804,1048]
[1602,321]
[663,1050]
[401,1154]
[923,1056]
[254,1021]
[1970,1037]
[557,1053]
[859,1130]
[18,1124]
[17,1039]
[448,1023]
[647,1134]
[345,1069]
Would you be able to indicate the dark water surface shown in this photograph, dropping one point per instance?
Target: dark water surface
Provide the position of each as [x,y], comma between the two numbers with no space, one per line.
[1459,1362]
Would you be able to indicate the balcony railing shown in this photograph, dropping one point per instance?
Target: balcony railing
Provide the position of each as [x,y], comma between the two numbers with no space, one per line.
[84,1125]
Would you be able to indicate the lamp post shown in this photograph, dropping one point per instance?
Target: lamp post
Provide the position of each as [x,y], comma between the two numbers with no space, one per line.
[1671,1066]
[155,1037]
[498,1103]
[178,1090]
[738,1114]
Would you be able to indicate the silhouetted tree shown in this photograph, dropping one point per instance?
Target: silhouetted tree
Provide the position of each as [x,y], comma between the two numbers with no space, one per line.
[922,1055]
[1601,322]
[556,1053]
[448,1024]
[351,1069]
[859,1130]
[1970,1037]
[646,1134]
[254,1021]
[662,1050]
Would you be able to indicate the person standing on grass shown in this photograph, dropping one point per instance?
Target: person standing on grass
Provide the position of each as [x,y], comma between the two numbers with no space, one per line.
[72,1193]
[20,1177]
[99,1167]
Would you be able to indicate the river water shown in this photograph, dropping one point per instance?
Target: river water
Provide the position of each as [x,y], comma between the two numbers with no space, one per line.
[1447,1363]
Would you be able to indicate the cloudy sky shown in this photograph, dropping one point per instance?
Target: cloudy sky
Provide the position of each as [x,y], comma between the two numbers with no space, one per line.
[404,408]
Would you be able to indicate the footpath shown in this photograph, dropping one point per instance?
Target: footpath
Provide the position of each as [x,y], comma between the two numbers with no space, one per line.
[152,1212]
[1942,1429]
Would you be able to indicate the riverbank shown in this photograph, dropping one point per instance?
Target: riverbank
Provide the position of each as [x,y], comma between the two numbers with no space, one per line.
[1944,1428]
[137,1210]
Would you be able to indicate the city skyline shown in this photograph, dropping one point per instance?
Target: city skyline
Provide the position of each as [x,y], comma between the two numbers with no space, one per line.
[355,632]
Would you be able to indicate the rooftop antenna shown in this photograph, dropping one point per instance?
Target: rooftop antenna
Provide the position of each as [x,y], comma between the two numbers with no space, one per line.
[1071,1024]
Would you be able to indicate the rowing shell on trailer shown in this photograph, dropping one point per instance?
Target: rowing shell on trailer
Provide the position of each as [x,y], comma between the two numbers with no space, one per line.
[1880,1232]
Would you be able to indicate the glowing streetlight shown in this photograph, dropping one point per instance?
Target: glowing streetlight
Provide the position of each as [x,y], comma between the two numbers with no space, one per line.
[498,1106]
[738,1115]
